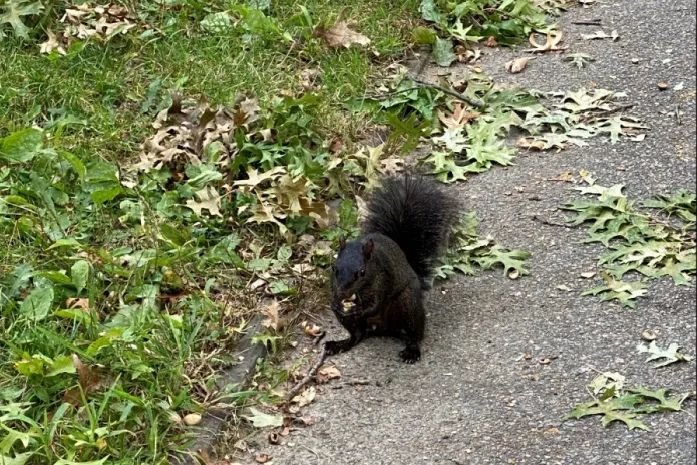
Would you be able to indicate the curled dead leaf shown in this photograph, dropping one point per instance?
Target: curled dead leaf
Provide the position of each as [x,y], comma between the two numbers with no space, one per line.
[518,65]
[551,43]
[313,330]
[262,458]
[328,373]
[530,143]
[305,397]
[273,437]
[271,311]
[491,42]
[341,35]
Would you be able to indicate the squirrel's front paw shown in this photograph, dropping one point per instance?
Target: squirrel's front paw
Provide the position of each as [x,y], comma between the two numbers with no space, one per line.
[411,354]
[334,347]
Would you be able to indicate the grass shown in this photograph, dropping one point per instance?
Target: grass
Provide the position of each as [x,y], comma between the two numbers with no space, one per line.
[118,304]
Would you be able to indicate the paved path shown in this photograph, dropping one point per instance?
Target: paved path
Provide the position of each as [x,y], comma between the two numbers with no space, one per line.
[470,400]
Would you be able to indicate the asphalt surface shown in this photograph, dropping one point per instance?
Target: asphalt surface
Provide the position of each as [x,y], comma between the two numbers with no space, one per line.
[472,399]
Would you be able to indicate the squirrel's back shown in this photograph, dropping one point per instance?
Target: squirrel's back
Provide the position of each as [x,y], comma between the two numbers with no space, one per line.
[416,213]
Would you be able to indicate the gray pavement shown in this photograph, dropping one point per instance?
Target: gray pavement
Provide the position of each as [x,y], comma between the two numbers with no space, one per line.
[471,399]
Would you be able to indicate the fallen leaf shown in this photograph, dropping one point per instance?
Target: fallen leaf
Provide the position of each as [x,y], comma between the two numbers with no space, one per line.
[89,380]
[260,419]
[491,41]
[518,65]
[588,274]
[271,311]
[551,43]
[313,330]
[305,397]
[600,34]
[262,458]
[670,354]
[273,437]
[328,373]
[530,143]
[341,35]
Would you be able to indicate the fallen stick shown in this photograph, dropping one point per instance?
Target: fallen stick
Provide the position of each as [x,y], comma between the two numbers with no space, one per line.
[588,22]
[310,374]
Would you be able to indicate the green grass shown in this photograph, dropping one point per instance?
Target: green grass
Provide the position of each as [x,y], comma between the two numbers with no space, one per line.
[119,305]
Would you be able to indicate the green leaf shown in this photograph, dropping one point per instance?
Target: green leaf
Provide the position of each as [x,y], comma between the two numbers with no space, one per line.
[37,304]
[671,354]
[71,462]
[443,52]
[613,409]
[512,261]
[63,364]
[11,12]
[429,11]
[11,437]
[665,402]
[264,420]
[623,291]
[21,146]
[423,35]
[79,273]
[18,459]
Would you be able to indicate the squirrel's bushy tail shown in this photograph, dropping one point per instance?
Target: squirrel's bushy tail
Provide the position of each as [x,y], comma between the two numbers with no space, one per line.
[416,213]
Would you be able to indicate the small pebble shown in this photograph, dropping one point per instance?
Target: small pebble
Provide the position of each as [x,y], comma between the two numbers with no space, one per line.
[662,85]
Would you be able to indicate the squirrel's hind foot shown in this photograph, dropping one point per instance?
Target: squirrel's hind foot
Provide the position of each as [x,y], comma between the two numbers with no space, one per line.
[411,354]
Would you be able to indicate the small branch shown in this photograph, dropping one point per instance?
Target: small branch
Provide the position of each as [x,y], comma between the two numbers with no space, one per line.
[310,374]
[551,223]
[677,115]
[588,22]
[452,93]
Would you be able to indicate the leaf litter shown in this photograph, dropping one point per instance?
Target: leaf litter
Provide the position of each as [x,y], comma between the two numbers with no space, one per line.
[614,403]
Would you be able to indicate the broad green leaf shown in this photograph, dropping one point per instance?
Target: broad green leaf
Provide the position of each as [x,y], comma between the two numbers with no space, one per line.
[62,364]
[79,274]
[71,462]
[21,146]
[11,12]
[443,52]
[264,420]
[37,304]
[670,354]
[16,459]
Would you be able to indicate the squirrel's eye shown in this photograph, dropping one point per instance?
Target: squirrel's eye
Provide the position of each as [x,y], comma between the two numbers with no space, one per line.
[362,271]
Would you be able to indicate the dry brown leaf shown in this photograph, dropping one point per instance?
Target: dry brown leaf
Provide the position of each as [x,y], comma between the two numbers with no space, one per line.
[600,34]
[208,199]
[83,303]
[459,116]
[530,144]
[551,44]
[518,65]
[262,458]
[271,311]
[491,42]
[325,374]
[89,380]
[305,397]
[341,35]
[313,330]
[51,44]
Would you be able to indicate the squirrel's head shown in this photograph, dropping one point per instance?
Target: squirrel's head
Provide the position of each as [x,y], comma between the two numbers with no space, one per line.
[351,265]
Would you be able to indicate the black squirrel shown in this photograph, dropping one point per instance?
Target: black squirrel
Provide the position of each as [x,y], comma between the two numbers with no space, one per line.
[378,279]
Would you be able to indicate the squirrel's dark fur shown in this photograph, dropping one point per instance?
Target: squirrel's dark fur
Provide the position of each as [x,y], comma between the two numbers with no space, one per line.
[378,279]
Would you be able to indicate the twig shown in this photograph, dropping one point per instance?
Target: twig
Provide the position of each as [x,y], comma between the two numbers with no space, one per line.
[452,93]
[588,22]
[551,223]
[677,115]
[310,374]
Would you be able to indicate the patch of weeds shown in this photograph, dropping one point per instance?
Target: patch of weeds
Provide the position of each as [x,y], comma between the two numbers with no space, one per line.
[629,406]
[638,241]
[469,252]
[465,23]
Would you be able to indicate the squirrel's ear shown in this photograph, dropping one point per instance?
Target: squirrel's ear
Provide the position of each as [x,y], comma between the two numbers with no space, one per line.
[342,242]
[368,249]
